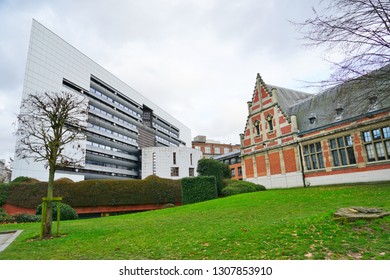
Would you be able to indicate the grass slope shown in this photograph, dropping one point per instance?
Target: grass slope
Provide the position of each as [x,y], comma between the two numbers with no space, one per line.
[276,224]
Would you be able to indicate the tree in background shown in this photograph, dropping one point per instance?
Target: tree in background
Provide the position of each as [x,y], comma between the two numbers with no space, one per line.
[360,30]
[212,167]
[50,128]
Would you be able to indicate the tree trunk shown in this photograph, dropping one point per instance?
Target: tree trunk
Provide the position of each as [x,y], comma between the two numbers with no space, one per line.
[49,216]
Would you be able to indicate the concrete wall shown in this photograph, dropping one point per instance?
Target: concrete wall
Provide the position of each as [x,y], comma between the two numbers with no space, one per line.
[159,161]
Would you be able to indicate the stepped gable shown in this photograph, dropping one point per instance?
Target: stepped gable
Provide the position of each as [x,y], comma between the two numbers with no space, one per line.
[285,97]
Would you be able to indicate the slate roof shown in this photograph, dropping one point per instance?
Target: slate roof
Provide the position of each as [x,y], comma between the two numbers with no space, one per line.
[345,102]
[340,103]
[288,97]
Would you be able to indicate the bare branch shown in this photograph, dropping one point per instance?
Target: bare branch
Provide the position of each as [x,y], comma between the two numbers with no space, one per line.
[47,123]
[360,31]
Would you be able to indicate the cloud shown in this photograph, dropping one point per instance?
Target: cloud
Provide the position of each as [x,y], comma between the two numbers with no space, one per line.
[196,59]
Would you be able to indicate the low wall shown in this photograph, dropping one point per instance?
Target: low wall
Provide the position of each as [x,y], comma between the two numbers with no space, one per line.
[13,209]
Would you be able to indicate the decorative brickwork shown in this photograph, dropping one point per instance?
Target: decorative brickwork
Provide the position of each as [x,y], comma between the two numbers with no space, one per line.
[294,138]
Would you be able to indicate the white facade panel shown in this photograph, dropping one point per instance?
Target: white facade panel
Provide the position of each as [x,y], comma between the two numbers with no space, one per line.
[355,177]
[279,181]
[289,180]
[159,161]
[50,61]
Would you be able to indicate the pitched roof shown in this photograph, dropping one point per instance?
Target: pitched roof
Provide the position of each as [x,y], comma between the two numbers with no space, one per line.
[288,97]
[344,102]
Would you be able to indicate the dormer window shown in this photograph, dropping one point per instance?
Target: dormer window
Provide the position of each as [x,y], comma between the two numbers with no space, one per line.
[372,99]
[257,127]
[339,109]
[373,103]
[270,124]
[312,118]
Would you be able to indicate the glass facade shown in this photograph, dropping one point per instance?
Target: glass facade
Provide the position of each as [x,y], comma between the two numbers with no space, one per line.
[113,133]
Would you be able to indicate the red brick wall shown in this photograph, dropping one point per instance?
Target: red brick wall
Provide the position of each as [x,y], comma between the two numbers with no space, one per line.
[290,162]
[274,161]
[249,168]
[13,209]
[261,166]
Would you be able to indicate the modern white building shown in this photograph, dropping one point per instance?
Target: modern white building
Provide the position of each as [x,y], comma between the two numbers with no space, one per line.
[120,120]
[170,162]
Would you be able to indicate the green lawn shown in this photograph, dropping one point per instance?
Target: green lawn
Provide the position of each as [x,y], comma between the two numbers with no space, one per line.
[275,224]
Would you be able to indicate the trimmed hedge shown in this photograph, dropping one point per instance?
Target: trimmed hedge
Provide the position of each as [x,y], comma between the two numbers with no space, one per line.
[198,189]
[4,191]
[236,187]
[66,211]
[212,167]
[18,218]
[24,179]
[152,190]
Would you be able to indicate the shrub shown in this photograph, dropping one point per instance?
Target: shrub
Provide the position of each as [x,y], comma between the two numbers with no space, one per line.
[3,215]
[18,218]
[24,179]
[66,212]
[26,218]
[63,181]
[152,190]
[4,190]
[197,189]
[212,167]
[236,187]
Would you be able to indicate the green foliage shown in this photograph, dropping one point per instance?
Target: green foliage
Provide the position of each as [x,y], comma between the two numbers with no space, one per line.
[26,218]
[4,190]
[63,181]
[212,167]
[236,187]
[3,214]
[294,223]
[18,218]
[24,179]
[198,189]
[152,190]
[66,212]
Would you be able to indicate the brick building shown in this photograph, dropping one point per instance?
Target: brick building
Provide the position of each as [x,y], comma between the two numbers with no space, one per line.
[211,148]
[233,159]
[293,138]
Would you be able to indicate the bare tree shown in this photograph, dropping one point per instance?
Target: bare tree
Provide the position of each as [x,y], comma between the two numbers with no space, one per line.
[50,128]
[360,30]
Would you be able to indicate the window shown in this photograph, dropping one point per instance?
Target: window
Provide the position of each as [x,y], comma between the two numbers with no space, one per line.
[342,151]
[226,150]
[190,159]
[270,123]
[313,156]
[257,127]
[191,172]
[377,143]
[239,171]
[154,164]
[174,171]
[207,150]
[217,151]
[312,118]
[174,158]
[233,172]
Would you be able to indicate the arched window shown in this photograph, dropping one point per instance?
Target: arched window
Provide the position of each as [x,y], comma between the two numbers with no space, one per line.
[257,127]
[270,123]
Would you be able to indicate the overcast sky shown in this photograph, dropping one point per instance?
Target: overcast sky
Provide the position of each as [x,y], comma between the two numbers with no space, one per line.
[196,59]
